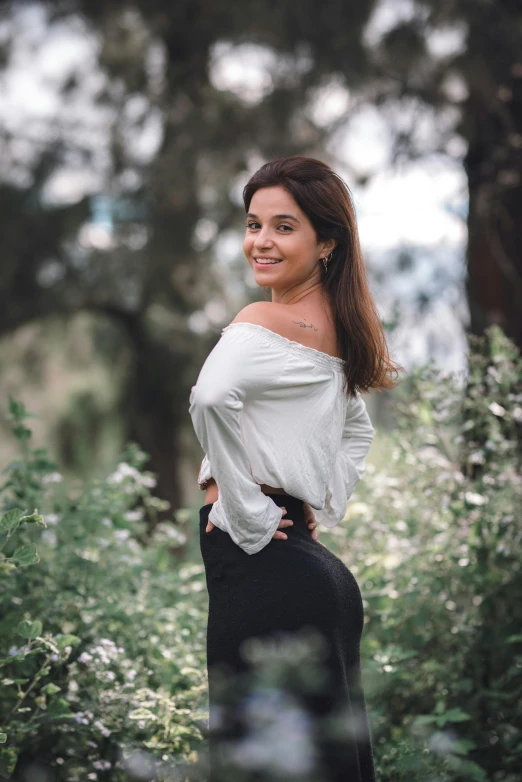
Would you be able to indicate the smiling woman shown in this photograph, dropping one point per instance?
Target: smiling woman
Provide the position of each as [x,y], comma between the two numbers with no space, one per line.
[262,260]
[278,409]
[279,234]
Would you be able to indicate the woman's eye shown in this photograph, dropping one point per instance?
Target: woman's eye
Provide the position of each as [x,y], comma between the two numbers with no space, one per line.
[250,225]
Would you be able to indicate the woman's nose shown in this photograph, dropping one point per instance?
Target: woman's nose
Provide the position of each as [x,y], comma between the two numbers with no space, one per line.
[263,243]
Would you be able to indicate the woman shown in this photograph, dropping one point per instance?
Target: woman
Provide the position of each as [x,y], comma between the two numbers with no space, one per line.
[277,407]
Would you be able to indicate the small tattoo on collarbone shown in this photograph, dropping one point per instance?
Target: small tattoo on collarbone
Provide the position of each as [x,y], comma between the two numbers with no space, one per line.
[304,325]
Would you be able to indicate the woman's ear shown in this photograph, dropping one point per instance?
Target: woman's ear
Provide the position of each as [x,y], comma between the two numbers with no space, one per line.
[329,246]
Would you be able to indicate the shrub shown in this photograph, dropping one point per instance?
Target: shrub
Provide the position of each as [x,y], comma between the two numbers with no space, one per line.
[435,545]
[103,656]
[103,627]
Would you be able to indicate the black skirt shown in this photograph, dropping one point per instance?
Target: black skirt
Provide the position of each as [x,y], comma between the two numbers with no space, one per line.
[288,587]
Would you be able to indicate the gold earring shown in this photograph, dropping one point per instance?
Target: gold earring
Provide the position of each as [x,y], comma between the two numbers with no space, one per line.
[327,260]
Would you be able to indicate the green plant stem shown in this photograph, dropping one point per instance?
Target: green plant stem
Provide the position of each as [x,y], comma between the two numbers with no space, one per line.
[33,683]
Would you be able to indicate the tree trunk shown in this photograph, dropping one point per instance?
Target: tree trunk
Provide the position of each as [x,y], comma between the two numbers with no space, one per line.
[494,254]
[154,409]
[492,124]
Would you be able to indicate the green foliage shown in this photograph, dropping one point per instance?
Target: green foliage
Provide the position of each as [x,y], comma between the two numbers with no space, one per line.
[101,652]
[102,632]
[436,550]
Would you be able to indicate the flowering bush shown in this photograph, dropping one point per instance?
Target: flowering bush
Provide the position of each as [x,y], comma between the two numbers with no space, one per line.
[103,628]
[434,540]
[103,622]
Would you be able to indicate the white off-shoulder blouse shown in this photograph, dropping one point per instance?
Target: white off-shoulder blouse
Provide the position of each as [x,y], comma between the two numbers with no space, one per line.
[266,409]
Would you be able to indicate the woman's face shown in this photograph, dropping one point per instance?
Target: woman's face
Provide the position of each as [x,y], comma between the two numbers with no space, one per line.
[277,229]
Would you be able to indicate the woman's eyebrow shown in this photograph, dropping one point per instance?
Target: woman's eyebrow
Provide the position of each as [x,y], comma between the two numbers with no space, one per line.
[278,217]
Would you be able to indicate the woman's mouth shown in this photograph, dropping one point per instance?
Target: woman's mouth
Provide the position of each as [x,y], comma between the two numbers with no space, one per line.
[263,263]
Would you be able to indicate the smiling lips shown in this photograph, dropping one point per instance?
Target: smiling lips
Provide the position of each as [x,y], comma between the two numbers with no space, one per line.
[267,261]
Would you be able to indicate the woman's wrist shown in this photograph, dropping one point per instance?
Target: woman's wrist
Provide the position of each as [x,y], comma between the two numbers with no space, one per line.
[212,492]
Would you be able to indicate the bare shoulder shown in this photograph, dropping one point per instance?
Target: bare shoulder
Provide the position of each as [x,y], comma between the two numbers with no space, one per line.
[262,313]
[313,331]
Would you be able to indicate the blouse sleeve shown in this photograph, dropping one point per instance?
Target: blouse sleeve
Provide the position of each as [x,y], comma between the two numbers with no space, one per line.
[350,465]
[204,474]
[241,366]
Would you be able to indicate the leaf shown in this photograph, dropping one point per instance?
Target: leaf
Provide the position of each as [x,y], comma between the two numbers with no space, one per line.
[8,758]
[10,520]
[59,707]
[142,714]
[3,738]
[21,433]
[425,719]
[50,689]
[29,629]
[14,465]
[462,746]
[26,555]
[456,715]
[67,640]
[15,681]
[425,414]
[16,409]
[466,769]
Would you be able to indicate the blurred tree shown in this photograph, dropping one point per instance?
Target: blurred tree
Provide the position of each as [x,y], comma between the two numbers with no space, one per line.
[462,59]
[167,211]
[156,270]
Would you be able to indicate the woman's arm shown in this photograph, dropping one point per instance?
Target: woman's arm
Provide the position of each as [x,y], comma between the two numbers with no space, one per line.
[239,367]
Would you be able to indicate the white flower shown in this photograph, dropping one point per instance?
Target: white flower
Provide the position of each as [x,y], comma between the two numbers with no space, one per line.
[49,537]
[442,742]
[123,471]
[102,765]
[101,727]
[52,518]
[121,534]
[167,532]
[79,717]
[52,477]
[280,738]
[133,515]
[475,499]
[495,374]
[497,409]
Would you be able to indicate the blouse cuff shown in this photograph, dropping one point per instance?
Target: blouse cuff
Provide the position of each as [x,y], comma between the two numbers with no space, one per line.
[344,481]
[274,514]
[205,473]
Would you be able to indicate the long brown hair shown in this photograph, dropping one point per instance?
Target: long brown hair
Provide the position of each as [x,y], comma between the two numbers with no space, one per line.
[327,202]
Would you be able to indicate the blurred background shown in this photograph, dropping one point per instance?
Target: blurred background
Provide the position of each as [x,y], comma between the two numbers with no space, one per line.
[127,133]
[128,130]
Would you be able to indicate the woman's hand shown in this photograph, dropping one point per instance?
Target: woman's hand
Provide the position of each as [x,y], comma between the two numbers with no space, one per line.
[282,524]
[310,521]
